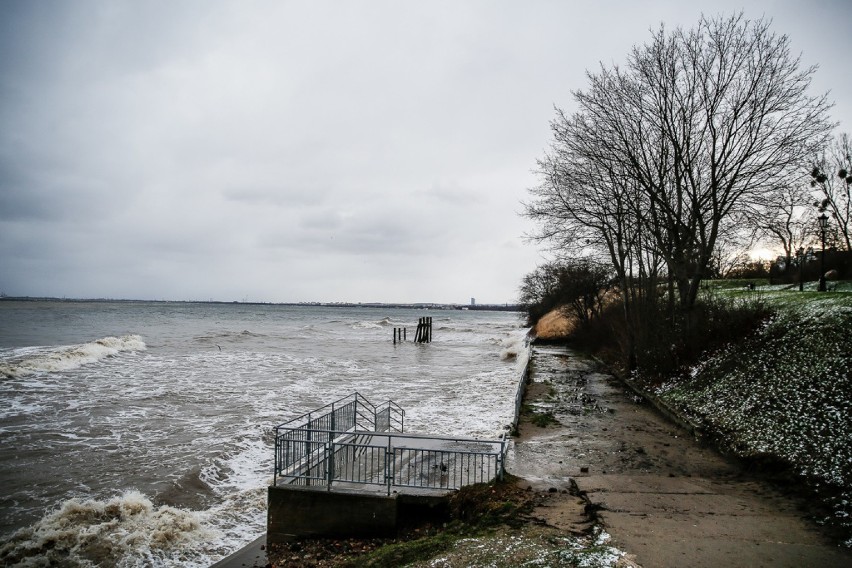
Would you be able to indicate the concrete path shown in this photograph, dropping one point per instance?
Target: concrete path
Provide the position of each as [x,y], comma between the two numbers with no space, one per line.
[664,498]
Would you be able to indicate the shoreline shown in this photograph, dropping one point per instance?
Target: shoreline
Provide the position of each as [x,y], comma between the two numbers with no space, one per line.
[629,460]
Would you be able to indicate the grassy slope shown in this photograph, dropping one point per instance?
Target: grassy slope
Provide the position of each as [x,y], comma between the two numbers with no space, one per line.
[785,392]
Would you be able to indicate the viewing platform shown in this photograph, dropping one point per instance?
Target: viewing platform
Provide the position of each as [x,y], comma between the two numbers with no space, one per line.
[344,469]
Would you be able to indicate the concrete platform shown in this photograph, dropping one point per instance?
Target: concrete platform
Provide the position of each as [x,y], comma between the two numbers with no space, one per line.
[252,555]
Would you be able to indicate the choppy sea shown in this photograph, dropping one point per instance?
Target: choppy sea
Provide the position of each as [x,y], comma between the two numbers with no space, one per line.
[140,433]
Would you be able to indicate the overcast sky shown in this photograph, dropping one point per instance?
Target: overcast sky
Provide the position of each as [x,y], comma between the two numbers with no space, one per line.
[307,151]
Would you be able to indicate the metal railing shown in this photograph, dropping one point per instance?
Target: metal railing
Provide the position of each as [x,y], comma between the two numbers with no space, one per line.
[352,441]
[450,463]
[297,441]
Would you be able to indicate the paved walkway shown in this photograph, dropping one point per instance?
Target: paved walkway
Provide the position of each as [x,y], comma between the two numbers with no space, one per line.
[666,500]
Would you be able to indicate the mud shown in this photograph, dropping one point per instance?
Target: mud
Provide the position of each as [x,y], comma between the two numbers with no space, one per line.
[666,499]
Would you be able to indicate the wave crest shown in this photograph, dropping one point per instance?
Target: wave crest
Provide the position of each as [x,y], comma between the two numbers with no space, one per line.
[384,322]
[127,530]
[34,360]
[516,347]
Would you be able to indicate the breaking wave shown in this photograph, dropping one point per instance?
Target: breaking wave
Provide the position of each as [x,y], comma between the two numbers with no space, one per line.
[33,360]
[384,322]
[515,346]
[125,531]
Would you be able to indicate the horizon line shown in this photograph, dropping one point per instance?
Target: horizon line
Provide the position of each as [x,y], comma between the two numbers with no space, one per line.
[5,297]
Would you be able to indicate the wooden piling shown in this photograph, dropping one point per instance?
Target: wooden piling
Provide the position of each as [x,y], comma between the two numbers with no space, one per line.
[400,334]
[424,330]
[423,334]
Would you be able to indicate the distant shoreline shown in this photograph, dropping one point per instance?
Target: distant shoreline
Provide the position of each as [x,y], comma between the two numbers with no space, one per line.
[391,305]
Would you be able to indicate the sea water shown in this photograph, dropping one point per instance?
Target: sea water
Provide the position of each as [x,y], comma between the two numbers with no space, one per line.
[141,433]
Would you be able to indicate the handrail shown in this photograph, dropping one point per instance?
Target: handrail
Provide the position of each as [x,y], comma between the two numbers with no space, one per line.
[355,396]
[342,415]
[341,443]
[389,459]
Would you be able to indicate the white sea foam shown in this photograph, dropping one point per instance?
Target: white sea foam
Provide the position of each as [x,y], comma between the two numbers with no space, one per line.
[35,360]
[516,345]
[190,424]
[127,530]
[236,521]
[243,469]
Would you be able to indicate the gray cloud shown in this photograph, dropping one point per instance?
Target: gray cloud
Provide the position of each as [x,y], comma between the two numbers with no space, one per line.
[361,151]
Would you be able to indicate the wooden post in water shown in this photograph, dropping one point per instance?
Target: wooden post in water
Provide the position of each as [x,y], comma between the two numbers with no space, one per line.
[422,335]
[424,330]
[400,334]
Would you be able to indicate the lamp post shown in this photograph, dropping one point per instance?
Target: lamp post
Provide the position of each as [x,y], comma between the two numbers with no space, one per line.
[800,261]
[823,225]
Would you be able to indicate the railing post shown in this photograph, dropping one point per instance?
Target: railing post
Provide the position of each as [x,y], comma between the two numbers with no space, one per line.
[329,458]
[389,460]
[277,459]
[308,438]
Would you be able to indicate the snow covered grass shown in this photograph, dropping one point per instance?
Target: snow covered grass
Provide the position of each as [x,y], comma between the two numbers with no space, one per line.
[529,546]
[784,393]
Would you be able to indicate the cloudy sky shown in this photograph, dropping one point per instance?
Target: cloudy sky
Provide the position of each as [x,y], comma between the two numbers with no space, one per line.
[306,151]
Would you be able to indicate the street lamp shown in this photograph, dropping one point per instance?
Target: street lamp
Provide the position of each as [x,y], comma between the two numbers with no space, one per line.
[823,225]
[800,260]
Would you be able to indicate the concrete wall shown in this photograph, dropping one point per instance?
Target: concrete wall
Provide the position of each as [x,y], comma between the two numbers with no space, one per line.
[300,512]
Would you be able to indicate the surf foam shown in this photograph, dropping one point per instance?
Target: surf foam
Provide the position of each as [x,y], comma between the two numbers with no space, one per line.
[35,360]
[127,530]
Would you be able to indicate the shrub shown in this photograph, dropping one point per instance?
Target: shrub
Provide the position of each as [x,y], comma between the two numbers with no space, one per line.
[668,341]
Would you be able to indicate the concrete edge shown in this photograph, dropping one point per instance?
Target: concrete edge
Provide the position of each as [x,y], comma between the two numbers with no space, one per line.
[252,555]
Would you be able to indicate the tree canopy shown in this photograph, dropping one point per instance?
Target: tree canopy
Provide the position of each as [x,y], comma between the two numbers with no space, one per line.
[670,154]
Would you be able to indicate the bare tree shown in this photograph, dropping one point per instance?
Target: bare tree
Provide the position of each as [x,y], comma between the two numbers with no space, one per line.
[790,222]
[832,178]
[586,207]
[667,153]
